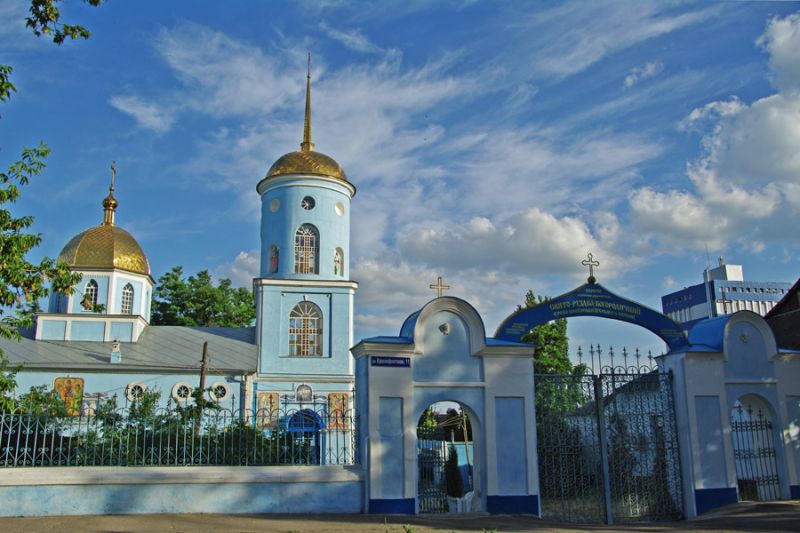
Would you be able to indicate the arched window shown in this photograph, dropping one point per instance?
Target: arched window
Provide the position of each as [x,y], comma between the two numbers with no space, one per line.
[305,330]
[338,262]
[127,300]
[306,250]
[90,295]
[274,257]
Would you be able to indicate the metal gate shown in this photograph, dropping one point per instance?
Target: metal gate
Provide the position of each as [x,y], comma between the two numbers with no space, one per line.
[607,447]
[431,487]
[754,454]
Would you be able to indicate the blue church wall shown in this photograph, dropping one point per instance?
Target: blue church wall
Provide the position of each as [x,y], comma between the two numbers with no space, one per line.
[122,331]
[54,330]
[446,355]
[277,303]
[107,490]
[87,331]
[711,446]
[278,228]
[80,288]
[746,352]
[390,429]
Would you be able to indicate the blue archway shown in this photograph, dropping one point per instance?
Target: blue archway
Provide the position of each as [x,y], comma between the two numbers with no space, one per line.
[592,299]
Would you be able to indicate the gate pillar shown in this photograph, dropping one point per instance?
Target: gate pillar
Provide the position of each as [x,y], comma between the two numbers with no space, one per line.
[442,354]
[730,357]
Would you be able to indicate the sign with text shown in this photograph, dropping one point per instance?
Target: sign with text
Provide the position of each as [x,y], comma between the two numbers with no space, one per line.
[593,300]
[400,362]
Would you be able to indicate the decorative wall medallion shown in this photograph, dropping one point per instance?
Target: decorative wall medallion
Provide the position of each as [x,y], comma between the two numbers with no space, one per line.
[304,393]
[445,328]
[744,337]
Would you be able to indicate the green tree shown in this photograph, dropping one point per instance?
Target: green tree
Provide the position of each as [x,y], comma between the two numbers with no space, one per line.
[551,344]
[22,283]
[195,301]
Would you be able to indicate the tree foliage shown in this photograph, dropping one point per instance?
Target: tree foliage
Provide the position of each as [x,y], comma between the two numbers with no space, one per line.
[195,301]
[551,344]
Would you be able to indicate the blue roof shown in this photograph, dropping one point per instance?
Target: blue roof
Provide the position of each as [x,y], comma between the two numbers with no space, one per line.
[708,335]
[407,329]
[389,340]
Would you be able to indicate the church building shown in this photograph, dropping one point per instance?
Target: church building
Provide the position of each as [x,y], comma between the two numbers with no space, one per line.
[98,343]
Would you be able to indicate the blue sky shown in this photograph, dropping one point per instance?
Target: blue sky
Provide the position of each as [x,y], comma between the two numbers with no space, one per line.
[492,143]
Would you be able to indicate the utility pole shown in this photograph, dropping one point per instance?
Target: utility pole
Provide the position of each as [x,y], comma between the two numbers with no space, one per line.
[204,367]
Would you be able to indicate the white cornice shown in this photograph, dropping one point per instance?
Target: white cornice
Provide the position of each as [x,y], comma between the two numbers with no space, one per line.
[365,348]
[300,283]
[290,180]
[316,379]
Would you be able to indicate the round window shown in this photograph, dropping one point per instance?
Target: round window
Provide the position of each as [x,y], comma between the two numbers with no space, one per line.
[135,391]
[181,392]
[219,391]
[339,207]
[274,205]
[308,203]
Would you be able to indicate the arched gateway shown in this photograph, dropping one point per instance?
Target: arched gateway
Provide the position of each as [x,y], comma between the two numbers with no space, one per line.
[442,355]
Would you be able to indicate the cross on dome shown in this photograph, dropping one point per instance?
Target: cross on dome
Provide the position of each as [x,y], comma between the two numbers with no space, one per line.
[439,287]
[591,262]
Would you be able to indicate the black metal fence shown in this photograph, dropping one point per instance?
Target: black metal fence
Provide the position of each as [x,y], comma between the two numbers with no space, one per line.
[754,454]
[128,437]
[607,446]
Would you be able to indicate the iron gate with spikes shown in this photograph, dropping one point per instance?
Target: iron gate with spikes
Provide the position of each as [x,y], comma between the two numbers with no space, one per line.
[607,447]
[754,454]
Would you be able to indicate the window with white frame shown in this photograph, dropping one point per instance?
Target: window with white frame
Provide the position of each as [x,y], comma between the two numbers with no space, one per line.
[306,250]
[90,295]
[305,330]
[127,299]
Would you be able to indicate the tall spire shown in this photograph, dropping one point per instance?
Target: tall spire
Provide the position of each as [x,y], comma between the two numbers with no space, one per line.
[110,203]
[307,145]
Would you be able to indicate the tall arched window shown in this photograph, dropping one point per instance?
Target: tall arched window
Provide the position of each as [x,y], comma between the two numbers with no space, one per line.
[338,262]
[127,299]
[90,295]
[306,250]
[305,330]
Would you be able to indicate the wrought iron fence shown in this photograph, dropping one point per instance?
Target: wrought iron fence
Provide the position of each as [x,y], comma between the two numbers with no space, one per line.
[291,435]
[754,454]
[607,446]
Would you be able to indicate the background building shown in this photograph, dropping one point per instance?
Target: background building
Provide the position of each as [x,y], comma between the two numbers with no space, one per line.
[723,291]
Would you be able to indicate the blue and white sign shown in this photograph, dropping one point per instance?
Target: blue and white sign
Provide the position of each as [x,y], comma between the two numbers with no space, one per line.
[593,299]
[402,362]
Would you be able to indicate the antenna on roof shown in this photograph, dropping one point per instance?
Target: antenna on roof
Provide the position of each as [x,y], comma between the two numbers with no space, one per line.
[708,258]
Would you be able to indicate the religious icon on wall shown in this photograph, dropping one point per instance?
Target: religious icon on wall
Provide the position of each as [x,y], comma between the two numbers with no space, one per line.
[274,256]
[337,263]
[267,409]
[337,410]
[70,390]
[304,393]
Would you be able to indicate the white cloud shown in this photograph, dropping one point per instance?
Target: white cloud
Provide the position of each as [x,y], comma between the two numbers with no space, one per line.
[242,269]
[353,39]
[572,37]
[638,74]
[532,242]
[747,179]
[147,114]
[782,40]
[668,283]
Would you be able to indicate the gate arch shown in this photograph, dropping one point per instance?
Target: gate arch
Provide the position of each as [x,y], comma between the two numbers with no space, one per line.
[592,299]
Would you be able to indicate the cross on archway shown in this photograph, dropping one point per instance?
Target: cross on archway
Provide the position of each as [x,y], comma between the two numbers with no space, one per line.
[439,287]
[591,262]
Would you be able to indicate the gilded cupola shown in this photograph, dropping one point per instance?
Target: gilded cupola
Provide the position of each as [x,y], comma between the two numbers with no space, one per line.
[307,160]
[106,246]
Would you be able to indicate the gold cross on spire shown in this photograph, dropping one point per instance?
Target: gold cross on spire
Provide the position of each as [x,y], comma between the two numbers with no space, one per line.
[439,287]
[591,262]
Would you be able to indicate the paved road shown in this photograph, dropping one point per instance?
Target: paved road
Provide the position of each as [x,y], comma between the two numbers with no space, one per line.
[775,516]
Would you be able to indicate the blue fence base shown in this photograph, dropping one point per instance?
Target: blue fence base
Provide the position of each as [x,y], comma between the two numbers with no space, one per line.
[398,506]
[513,504]
[794,492]
[708,499]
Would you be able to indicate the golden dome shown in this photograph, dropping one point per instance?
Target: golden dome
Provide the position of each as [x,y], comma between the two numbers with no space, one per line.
[306,162]
[105,246]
